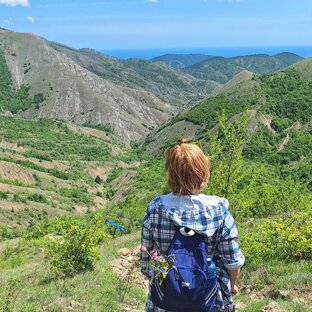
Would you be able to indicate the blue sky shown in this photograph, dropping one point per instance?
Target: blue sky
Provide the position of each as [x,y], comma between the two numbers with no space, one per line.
[145,24]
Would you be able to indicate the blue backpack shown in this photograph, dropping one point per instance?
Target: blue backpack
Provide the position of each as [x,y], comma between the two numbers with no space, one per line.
[191,283]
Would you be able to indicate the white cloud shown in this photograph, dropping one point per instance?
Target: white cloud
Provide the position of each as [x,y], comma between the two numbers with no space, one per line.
[13,3]
[6,20]
[152,1]
[30,19]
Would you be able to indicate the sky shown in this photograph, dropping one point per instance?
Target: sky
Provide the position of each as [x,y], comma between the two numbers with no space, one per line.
[148,24]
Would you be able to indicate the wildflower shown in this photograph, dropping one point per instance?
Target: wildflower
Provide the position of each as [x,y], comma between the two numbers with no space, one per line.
[154,254]
[159,266]
[151,271]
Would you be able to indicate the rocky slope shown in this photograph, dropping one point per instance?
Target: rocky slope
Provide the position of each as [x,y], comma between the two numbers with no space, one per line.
[170,85]
[73,93]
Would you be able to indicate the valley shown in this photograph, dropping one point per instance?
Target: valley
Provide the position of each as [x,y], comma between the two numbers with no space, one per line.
[82,137]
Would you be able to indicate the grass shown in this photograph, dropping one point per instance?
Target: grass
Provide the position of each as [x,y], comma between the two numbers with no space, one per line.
[279,305]
[265,280]
[99,290]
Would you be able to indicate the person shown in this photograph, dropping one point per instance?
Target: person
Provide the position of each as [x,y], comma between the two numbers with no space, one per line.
[188,172]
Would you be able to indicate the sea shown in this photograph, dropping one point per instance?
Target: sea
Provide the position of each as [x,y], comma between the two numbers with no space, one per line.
[147,54]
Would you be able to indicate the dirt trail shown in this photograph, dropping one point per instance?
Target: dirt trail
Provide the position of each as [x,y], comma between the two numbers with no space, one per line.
[127,267]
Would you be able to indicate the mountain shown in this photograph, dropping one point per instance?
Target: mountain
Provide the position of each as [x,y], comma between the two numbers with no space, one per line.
[62,89]
[44,79]
[223,69]
[181,60]
[171,86]
[281,108]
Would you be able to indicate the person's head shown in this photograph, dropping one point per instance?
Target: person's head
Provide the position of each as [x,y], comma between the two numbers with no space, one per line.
[187,168]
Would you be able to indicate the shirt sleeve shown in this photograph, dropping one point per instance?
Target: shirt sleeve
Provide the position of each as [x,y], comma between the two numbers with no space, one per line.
[228,248]
[147,242]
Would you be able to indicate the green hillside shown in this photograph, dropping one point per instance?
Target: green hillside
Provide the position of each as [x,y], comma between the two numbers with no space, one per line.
[222,69]
[52,167]
[281,106]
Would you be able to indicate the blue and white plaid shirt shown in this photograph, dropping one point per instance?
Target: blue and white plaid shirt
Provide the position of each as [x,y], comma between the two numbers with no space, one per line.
[207,215]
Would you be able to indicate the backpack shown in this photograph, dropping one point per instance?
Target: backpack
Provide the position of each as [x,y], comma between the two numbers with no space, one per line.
[191,282]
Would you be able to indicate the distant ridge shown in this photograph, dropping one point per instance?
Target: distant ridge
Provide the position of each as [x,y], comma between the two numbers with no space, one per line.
[223,69]
[181,60]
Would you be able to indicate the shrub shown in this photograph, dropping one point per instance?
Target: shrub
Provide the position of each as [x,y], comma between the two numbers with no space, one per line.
[3,195]
[57,226]
[115,173]
[78,251]
[39,198]
[77,195]
[7,233]
[275,239]
[19,197]
[35,154]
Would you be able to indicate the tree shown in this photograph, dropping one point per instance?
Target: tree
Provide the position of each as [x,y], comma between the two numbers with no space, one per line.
[231,176]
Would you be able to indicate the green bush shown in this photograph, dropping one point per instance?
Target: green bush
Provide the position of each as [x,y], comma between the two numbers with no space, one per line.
[39,198]
[78,196]
[7,233]
[19,198]
[278,239]
[57,226]
[78,251]
[115,173]
[38,98]
[4,195]
[11,258]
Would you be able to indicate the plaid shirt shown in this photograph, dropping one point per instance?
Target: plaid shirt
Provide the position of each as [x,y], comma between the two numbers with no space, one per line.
[207,215]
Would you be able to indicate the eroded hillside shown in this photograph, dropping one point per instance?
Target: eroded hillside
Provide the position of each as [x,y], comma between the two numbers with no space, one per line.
[72,93]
